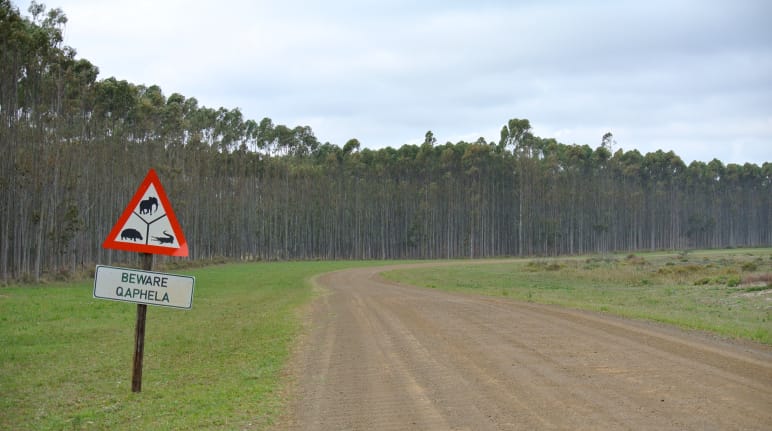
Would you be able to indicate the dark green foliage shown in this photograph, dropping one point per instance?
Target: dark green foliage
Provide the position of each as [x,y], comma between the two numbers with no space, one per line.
[759,288]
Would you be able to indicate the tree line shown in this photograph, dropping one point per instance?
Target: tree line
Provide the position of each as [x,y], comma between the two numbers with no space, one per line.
[76,148]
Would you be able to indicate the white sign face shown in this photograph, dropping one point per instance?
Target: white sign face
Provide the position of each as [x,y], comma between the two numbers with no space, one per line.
[143,287]
[148,224]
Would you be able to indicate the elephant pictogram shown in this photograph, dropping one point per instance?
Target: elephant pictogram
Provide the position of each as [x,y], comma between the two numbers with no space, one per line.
[148,206]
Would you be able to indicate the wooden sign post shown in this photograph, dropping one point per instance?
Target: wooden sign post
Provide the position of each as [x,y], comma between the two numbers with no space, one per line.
[147,226]
[139,333]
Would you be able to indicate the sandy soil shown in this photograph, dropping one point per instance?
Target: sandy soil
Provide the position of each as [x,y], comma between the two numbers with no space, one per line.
[381,356]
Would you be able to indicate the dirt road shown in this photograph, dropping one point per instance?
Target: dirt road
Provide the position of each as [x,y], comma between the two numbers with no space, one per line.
[380,356]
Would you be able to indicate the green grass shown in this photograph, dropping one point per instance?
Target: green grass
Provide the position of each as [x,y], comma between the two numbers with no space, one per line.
[727,292]
[65,361]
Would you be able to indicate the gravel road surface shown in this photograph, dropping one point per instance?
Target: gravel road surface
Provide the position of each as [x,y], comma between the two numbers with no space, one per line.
[382,356]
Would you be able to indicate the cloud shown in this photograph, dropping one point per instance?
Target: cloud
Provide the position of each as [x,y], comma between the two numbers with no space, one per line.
[690,76]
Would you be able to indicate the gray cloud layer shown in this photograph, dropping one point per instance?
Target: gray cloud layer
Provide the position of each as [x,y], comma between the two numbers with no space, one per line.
[691,76]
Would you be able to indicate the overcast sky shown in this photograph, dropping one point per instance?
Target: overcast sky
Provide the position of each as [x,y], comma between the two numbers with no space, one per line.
[694,77]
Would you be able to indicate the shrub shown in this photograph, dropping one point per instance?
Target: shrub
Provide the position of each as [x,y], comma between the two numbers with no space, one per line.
[543,266]
[635,260]
[759,288]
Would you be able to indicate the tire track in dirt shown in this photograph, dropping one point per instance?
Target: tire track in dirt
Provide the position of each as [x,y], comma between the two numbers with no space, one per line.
[383,356]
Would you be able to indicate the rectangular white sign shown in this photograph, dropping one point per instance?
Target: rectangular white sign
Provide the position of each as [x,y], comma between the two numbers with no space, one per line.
[143,287]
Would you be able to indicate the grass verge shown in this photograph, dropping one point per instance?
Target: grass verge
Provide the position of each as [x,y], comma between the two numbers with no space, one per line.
[727,292]
[65,361]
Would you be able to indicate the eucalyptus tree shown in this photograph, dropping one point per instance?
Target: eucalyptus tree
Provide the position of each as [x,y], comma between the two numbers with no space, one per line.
[517,134]
[76,146]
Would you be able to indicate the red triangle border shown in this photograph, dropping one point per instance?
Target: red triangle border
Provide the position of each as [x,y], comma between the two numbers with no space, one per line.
[111,243]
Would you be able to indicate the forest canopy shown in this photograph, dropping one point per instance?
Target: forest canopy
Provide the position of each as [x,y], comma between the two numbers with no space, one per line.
[76,147]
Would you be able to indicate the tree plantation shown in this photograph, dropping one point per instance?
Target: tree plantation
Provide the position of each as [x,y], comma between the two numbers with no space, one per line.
[75,148]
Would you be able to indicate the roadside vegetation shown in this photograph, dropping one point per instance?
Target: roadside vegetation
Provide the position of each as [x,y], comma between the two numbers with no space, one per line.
[65,361]
[727,292]
[66,357]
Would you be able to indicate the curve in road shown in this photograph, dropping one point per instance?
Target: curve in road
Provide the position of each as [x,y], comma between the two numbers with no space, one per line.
[384,356]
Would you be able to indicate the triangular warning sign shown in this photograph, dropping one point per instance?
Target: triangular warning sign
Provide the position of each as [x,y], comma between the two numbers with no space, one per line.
[148,224]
